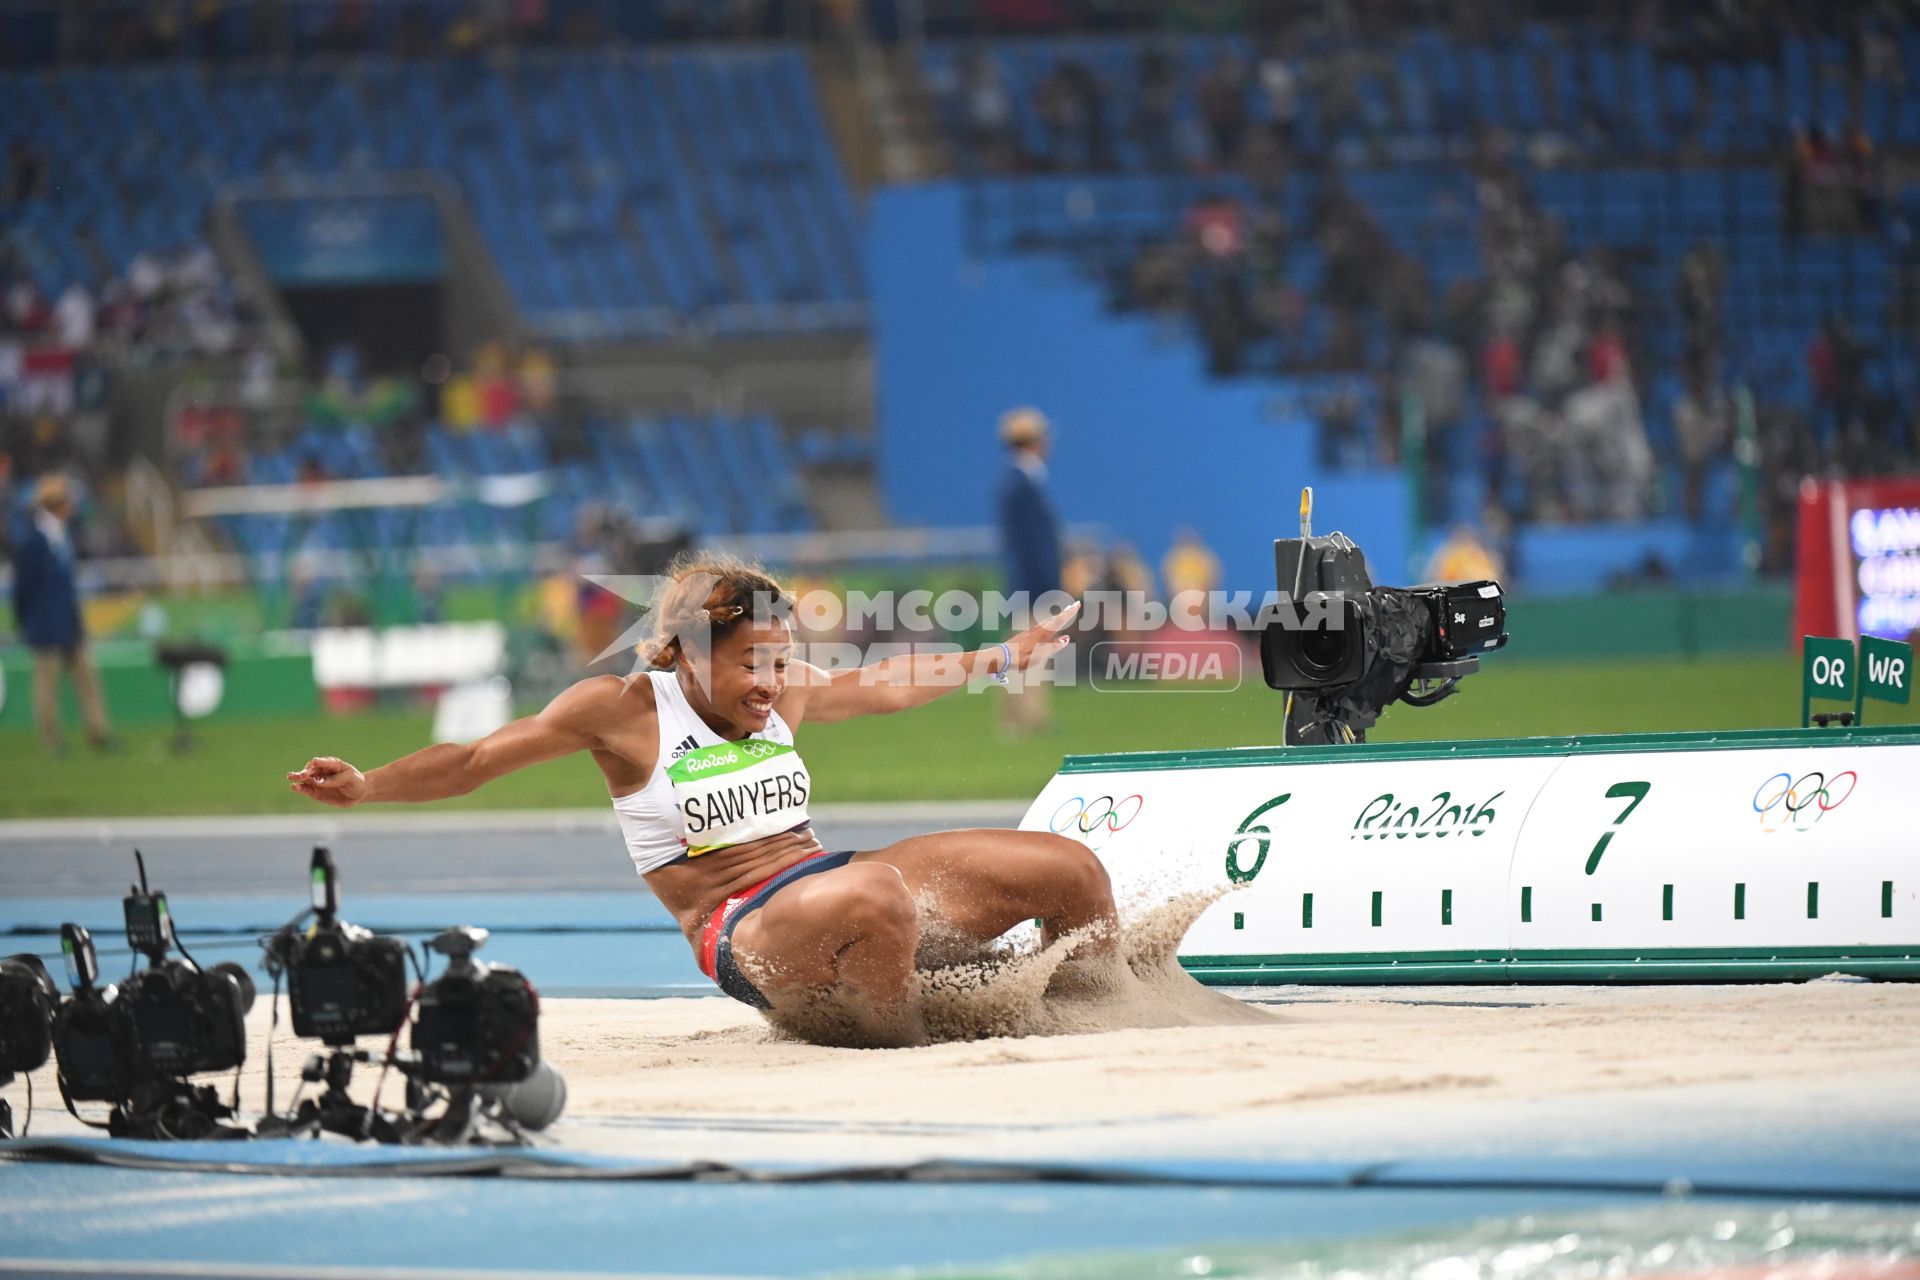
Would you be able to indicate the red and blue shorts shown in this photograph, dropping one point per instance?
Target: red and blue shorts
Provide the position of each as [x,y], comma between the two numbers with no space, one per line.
[716,940]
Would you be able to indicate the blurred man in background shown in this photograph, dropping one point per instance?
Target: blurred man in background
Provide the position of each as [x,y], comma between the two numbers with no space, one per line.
[46,607]
[1029,546]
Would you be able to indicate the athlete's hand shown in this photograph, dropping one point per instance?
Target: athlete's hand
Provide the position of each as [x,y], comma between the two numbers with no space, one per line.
[1044,639]
[330,780]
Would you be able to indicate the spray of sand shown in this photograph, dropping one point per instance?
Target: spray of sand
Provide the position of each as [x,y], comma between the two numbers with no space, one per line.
[1010,988]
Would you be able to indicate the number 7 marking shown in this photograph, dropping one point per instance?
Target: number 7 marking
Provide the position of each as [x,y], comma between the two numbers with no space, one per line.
[1618,791]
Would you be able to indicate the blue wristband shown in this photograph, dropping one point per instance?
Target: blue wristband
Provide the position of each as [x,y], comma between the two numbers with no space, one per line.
[1000,676]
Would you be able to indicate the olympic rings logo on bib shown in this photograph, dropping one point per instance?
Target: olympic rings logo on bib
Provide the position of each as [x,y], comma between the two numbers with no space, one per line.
[1785,803]
[1096,819]
[757,750]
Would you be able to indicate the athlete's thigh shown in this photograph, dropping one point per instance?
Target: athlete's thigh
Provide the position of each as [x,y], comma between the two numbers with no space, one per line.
[989,880]
[811,918]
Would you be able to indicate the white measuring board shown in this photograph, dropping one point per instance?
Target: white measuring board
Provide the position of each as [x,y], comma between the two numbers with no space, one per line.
[1734,855]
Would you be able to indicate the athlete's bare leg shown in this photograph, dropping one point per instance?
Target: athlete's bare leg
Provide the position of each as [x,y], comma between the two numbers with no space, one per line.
[981,883]
[856,929]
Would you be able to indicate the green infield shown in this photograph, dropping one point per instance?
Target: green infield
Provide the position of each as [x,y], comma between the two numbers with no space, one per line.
[951,749]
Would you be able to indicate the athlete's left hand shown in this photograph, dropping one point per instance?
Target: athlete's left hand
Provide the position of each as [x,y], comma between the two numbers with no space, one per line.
[1044,639]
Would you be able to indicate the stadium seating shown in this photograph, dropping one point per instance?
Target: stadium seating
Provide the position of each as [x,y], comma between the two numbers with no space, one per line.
[622,195]
[1648,159]
[1427,95]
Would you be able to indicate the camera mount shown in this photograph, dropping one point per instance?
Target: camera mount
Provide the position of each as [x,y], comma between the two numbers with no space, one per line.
[334,1111]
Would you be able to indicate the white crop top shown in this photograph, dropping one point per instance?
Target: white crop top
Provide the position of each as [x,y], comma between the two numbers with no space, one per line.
[707,793]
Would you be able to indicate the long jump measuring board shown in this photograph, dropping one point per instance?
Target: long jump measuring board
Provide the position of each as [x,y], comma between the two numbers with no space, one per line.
[1757,855]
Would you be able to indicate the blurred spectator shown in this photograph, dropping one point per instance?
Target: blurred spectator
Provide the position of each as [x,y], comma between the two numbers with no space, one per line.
[1189,565]
[1607,356]
[1029,545]
[1702,280]
[989,110]
[26,172]
[73,317]
[539,383]
[1128,574]
[27,310]
[1500,367]
[531,22]
[499,398]
[1463,557]
[1860,171]
[1218,286]
[1558,366]
[1702,427]
[429,599]
[1434,373]
[1059,108]
[1153,113]
[1280,83]
[146,277]
[46,608]
[308,599]
[1222,94]
[259,377]
[1607,464]
[1878,52]
[1835,361]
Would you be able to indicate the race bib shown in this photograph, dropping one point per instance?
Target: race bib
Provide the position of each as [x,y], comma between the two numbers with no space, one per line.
[734,792]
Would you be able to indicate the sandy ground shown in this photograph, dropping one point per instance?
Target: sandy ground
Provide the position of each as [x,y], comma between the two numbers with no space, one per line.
[1315,1072]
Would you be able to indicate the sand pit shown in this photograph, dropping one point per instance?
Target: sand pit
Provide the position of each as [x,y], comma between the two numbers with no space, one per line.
[1314,1049]
[1304,1057]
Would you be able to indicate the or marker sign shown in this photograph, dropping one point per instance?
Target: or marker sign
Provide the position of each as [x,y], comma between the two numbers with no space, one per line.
[1886,669]
[1828,671]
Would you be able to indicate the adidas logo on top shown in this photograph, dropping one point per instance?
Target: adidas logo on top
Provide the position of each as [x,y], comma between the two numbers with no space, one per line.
[681,748]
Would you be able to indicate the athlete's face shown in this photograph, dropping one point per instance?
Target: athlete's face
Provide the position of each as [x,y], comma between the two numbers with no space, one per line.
[750,672]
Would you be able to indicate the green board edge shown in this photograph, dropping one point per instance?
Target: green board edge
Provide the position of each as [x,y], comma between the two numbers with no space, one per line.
[1495,748]
[1710,964]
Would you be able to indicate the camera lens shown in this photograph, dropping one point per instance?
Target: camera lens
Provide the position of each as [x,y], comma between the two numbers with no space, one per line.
[241,979]
[1322,650]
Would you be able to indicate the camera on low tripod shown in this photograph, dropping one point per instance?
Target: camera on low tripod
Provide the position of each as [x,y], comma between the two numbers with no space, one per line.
[135,1044]
[475,1037]
[27,1001]
[343,982]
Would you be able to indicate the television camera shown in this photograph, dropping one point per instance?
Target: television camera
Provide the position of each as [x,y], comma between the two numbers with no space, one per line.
[1343,649]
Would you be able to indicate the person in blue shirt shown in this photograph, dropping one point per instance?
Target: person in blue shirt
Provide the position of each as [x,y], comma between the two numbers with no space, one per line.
[1029,547]
[46,608]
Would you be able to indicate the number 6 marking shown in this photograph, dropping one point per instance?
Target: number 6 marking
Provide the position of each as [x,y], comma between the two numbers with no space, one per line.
[1618,791]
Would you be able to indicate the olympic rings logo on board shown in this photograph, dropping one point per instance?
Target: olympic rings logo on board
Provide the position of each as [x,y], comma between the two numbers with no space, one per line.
[1095,819]
[1786,803]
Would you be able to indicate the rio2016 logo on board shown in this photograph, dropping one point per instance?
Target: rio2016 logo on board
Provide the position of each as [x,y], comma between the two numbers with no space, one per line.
[1786,803]
[1385,816]
[1095,819]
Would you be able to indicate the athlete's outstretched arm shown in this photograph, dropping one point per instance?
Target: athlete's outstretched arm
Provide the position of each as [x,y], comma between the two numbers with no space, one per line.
[566,725]
[912,680]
